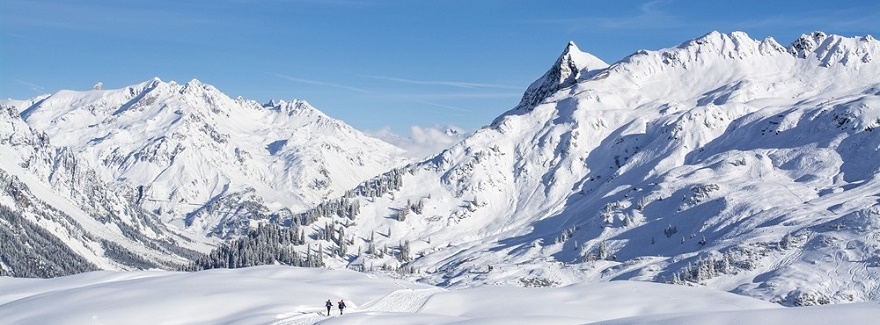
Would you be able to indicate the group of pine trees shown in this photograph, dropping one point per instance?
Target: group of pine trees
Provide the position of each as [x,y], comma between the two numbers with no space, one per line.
[30,251]
[348,207]
[705,268]
[267,244]
[271,243]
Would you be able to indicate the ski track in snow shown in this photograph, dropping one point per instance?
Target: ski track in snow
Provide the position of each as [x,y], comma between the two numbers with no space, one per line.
[398,301]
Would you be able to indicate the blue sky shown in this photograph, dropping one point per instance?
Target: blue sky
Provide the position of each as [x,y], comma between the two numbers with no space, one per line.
[375,64]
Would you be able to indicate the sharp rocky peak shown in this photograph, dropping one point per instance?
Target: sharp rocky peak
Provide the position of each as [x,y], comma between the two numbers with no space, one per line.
[571,66]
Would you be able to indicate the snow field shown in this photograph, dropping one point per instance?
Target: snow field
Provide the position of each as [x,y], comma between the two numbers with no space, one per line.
[284,295]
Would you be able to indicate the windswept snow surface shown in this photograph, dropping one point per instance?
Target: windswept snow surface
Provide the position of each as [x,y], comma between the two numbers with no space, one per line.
[287,295]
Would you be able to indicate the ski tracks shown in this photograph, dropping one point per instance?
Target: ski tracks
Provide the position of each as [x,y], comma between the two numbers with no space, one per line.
[402,301]
[303,318]
[398,301]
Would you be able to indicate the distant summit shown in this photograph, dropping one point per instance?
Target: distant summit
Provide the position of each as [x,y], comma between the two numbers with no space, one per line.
[200,159]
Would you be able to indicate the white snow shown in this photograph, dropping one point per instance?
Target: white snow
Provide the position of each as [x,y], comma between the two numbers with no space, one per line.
[190,146]
[287,295]
[33,162]
[762,160]
[756,159]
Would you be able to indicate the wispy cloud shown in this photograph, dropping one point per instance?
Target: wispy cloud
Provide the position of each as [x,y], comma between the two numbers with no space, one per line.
[651,14]
[458,84]
[863,18]
[350,3]
[319,83]
[659,14]
[422,142]
[97,17]
[448,96]
[32,86]
[459,109]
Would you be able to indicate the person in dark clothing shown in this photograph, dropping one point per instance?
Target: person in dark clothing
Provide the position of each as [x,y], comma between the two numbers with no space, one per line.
[341,305]
[329,305]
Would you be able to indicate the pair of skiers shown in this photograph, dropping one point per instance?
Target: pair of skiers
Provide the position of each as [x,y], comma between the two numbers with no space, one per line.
[329,304]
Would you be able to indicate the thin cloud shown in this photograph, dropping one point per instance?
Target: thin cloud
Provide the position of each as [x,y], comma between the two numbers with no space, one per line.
[32,86]
[422,142]
[90,17]
[320,83]
[650,15]
[458,84]
[865,18]
[459,109]
[453,96]
[656,15]
[348,3]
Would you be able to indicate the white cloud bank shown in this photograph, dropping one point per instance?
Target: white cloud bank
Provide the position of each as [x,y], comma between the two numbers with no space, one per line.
[423,142]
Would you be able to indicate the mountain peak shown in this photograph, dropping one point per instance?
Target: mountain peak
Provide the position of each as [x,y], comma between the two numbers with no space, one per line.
[571,66]
[192,85]
[805,44]
[735,44]
[831,49]
[148,84]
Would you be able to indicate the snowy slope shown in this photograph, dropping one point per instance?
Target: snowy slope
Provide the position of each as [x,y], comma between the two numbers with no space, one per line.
[285,296]
[58,218]
[729,162]
[205,161]
[726,161]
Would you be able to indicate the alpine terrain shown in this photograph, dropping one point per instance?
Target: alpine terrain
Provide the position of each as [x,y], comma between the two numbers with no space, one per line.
[58,218]
[728,162]
[207,162]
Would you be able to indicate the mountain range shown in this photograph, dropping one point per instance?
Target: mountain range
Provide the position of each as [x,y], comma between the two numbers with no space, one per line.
[728,162]
[206,162]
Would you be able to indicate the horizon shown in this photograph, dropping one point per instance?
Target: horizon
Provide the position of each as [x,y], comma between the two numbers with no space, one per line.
[379,65]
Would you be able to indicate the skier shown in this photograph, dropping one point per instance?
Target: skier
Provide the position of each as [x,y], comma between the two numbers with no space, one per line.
[341,305]
[329,305]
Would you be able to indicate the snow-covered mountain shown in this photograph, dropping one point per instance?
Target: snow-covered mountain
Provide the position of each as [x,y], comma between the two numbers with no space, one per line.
[735,163]
[730,162]
[58,218]
[207,162]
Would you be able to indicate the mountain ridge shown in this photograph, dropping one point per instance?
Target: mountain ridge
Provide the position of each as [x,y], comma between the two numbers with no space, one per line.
[287,155]
[595,176]
[59,219]
[726,161]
